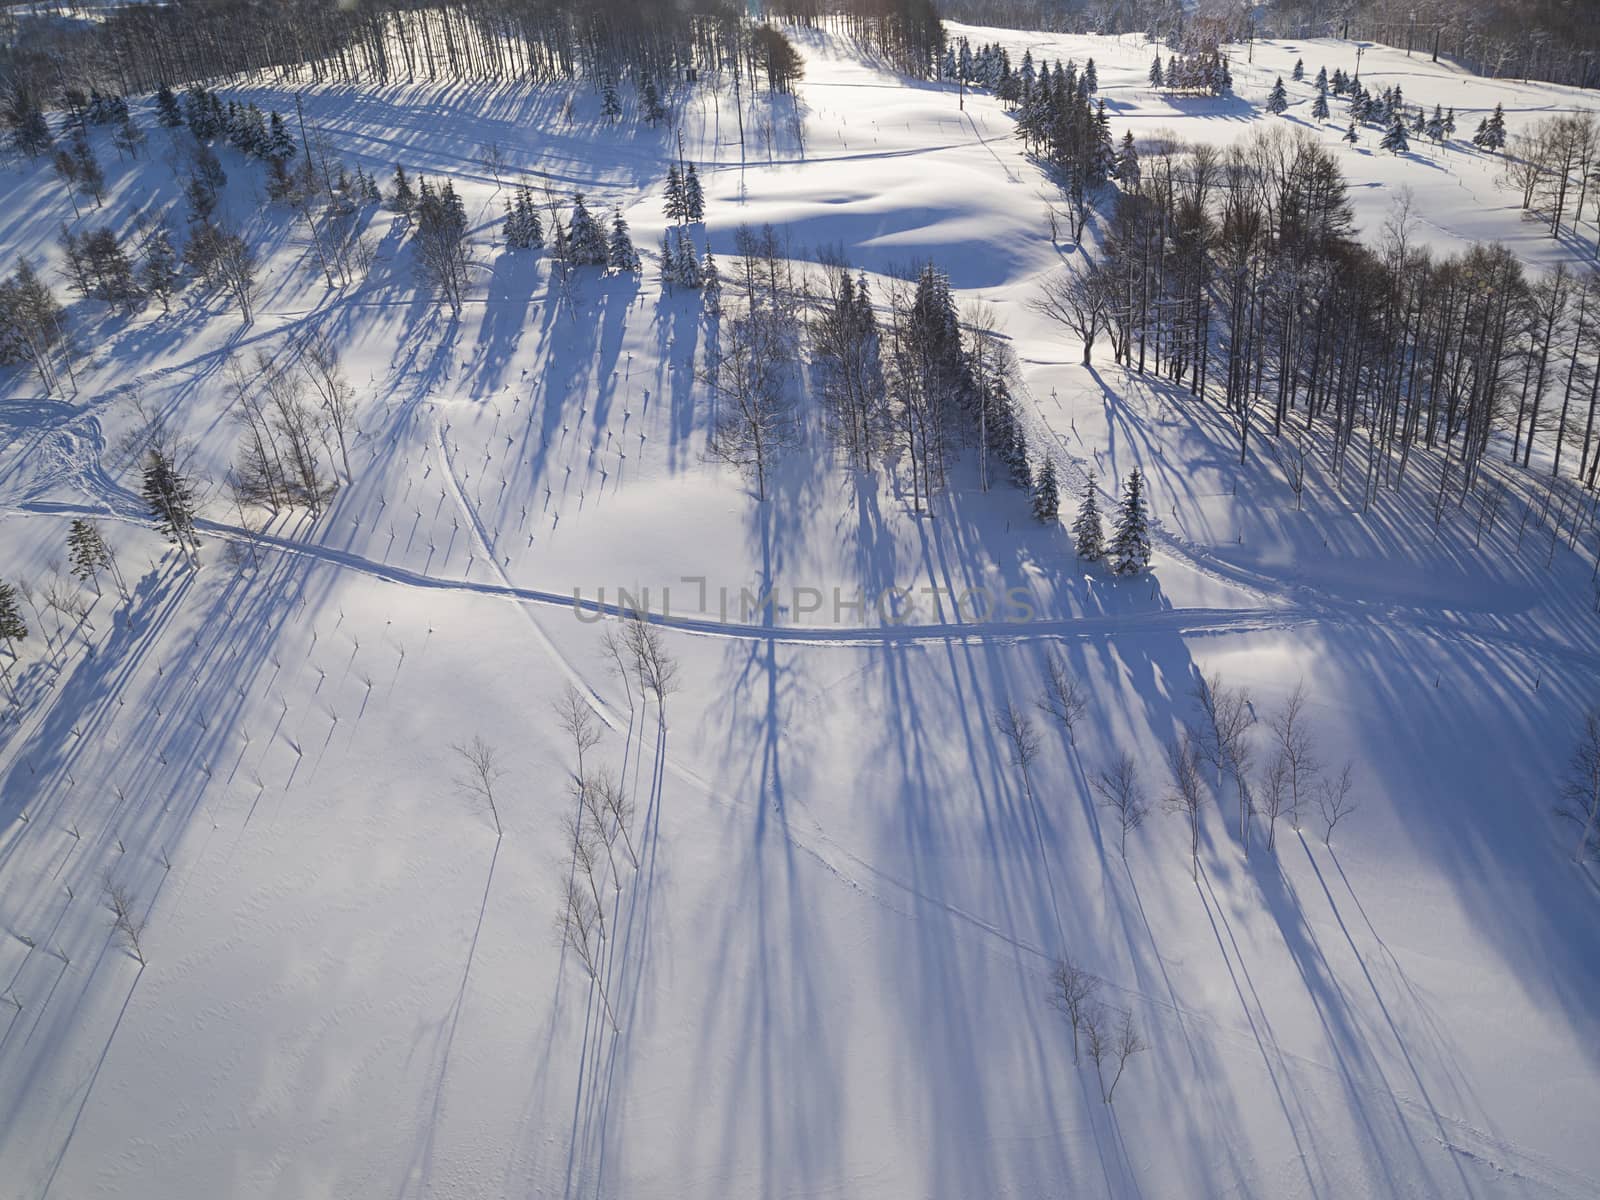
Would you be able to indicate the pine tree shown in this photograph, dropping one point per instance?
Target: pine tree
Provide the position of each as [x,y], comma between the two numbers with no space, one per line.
[1128,162]
[1435,126]
[1088,531]
[686,263]
[586,242]
[12,627]
[621,256]
[1491,133]
[1157,79]
[1351,135]
[90,178]
[1419,123]
[401,198]
[694,200]
[1046,497]
[610,102]
[1091,80]
[1450,123]
[1395,141]
[1299,71]
[279,144]
[674,203]
[158,268]
[668,263]
[1130,543]
[1322,79]
[1278,98]
[711,283]
[167,111]
[1319,106]
[169,497]
[88,552]
[654,110]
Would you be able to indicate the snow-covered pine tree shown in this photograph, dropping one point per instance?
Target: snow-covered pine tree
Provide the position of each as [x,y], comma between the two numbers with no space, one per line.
[586,241]
[668,264]
[1491,133]
[1046,496]
[1435,126]
[1090,82]
[1157,78]
[280,145]
[1319,106]
[711,282]
[1351,135]
[674,202]
[652,108]
[1321,81]
[1449,122]
[1299,71]
[1278,98]
[610,102]
[167,111]
[1128,162]
[158,268]
[621,257]
[1130,542]
[1419,123]
[88,552]
[694,199]
[686,263]
[1088,530]
[1395,141]
[12,627]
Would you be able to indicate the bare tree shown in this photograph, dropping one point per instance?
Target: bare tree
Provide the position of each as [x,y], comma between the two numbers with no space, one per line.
[320,363]
[1333,798]
[482,772]
[615,802]
[576,719]
[585,843]
[127,923]
[1064,697]
[613,647]
[1072,993]
[746,374]
[1120,791]
[1125,1043]
[1296,748]
[492,158]
[1076,300]
[1580,790]
[579,923]
[1099,1041]
[1183,758]
[1274,794]
[1228,717]
[1017,728]
[599,818]
[656,669]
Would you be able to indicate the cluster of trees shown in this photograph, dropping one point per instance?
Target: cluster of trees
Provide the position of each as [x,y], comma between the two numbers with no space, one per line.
[1235,272]
[89,556]
[1196,67]
[1128,552]
[296,415]
[1106,1034]
[1555,166]
[1059,120]
[909,34]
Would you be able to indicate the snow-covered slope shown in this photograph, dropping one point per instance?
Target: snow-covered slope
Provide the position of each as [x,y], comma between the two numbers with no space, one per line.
[829,968]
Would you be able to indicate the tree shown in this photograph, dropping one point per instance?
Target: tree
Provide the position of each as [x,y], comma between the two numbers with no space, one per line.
[1130,541]
[1065,698]
[1580,788]
[1296,751]
[481,773]
[1088,531]
[12,627]
[87,552]
[673,205]
[620,254]
[1157,78]
[1016,727]
[1352,135]
[650,102]
[441,241]
[1183,760]
[1491,134]
[694,199]
[167,111]
[610,102]
[319,362]
[656,670]
[745,371]
[582,928]
[1228,716]
[1278,98]
[159,275]
[30,129]
[225,260]
[1072,994]
[1127,170]
[127,923]
[577,721]
[1046,497]
[1333,798]
[169,496]
[1299,72]
[402,198]
[586,242]
[1077,301]
[1396,141]
[1319,106]
[1121,792]
[1119,1043]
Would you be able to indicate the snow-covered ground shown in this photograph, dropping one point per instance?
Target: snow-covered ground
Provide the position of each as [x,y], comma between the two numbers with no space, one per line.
[829,970]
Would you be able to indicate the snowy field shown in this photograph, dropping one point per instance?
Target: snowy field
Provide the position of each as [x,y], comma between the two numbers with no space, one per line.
[829,969]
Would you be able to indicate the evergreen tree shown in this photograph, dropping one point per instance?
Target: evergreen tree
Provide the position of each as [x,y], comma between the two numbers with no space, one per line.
[610,102]
[401,198]
[1435,127]
[1319,106]
[1128,162]
[654,110]
[686,263]
[1130,543]
[1395,140]
[1278,98]
[694,200]
[169,497]
[167,111]
[88,552]
[12,627]
[1419,123]
[30,129]
[1491,133]
[1157,80]
[621,256]
[1046,497]
[90,178]
[586,241]
[279,145]
[674,203]
[1299,71]
[1450,122]
[1091,80]
[1088,531]
[711,283]
[158,269]
[1351,135]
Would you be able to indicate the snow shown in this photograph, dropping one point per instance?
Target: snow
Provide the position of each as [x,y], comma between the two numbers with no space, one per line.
[829,971]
